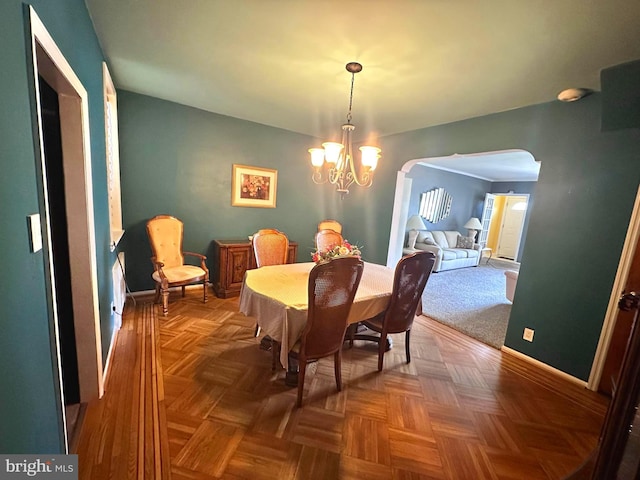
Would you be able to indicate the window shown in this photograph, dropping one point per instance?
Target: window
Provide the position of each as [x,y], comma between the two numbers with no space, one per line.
[113,158]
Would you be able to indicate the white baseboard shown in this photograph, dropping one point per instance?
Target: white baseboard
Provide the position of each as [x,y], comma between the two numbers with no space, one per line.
[107,364]
[142,293]
[544,366]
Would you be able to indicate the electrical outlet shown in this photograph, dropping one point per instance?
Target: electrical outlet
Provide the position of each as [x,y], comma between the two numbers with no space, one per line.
[528,334]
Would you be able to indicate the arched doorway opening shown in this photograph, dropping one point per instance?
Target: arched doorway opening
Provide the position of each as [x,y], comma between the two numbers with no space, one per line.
[506,166]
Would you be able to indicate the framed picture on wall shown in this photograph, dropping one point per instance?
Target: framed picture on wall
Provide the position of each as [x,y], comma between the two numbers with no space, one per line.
[253,186]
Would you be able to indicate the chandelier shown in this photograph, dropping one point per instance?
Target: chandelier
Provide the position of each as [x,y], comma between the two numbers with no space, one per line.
[334,162]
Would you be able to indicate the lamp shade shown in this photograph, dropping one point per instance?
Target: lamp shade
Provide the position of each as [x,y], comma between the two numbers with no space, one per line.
[416,223]
[473,224]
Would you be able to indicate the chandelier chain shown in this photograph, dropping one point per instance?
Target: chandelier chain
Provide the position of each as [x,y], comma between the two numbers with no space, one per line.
[353,78]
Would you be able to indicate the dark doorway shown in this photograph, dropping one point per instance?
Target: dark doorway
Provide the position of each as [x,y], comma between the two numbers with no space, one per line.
[59,238]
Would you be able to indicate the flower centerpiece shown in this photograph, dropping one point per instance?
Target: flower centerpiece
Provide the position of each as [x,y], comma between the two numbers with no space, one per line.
[345,249]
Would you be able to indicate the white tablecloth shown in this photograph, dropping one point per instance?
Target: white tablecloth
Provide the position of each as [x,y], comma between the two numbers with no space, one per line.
[277,296]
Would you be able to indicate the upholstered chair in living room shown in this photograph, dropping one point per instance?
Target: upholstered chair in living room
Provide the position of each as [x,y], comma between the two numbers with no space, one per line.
[169,269]
[511,281]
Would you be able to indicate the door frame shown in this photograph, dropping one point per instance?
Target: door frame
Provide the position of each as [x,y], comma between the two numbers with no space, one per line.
[50,63]
[626,258]
[502,218]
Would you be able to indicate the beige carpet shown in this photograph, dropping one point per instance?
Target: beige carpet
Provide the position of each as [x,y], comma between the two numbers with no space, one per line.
[471,300]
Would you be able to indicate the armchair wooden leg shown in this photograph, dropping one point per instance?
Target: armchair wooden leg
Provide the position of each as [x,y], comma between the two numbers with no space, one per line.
[165,301]
[157,298]
[406,345]
[204,290]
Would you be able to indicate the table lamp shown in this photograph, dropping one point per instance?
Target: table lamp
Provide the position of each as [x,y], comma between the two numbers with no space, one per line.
[414,224]
[474,226]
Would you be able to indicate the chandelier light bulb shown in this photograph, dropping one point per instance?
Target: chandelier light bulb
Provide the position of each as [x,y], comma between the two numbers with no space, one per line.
[370,156]
[317,157]
[332,151]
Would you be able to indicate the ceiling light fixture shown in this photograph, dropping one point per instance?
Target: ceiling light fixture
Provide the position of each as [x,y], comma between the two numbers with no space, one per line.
[573,94]
[334,162]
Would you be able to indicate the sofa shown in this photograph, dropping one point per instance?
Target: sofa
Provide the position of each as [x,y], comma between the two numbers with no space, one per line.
[451,248]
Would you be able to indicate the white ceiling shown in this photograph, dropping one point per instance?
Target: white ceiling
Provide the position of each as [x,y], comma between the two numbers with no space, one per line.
[505,166]
[426,62]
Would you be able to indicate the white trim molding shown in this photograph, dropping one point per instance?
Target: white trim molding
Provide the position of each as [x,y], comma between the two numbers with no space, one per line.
[52,66]
[630,242]
[544,366]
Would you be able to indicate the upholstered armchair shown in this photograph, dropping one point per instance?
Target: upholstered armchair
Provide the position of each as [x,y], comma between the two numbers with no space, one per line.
[169,269]
[511,281]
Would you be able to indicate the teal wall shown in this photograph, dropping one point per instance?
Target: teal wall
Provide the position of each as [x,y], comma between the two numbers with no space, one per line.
[178,160]
[29,408]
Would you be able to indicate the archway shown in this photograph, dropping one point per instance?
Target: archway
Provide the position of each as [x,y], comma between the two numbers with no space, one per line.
[515,163]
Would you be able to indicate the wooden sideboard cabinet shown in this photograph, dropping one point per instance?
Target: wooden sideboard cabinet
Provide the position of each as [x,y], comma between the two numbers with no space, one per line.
[231,259]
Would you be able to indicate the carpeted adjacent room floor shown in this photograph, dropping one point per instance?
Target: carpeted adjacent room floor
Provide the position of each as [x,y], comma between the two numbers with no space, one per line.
[471,300]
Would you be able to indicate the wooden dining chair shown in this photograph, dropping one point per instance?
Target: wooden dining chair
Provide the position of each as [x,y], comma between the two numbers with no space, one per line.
[270,247]
[327,239]
[329,224]
[332,288]
[410,278]
[169,268]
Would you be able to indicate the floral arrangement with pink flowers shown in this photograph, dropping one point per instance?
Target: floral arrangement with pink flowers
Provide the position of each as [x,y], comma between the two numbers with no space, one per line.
[345,249]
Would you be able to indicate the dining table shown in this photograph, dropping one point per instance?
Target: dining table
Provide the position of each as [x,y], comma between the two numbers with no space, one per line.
[277,297]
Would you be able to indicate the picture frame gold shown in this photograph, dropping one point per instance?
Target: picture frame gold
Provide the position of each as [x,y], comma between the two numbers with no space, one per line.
[253,186]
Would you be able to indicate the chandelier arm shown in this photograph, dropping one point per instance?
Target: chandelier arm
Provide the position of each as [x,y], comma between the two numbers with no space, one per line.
[318,178]
[366,180]
[334,175]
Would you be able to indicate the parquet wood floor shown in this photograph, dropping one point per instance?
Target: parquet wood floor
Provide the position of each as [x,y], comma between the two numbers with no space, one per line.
[192,396]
